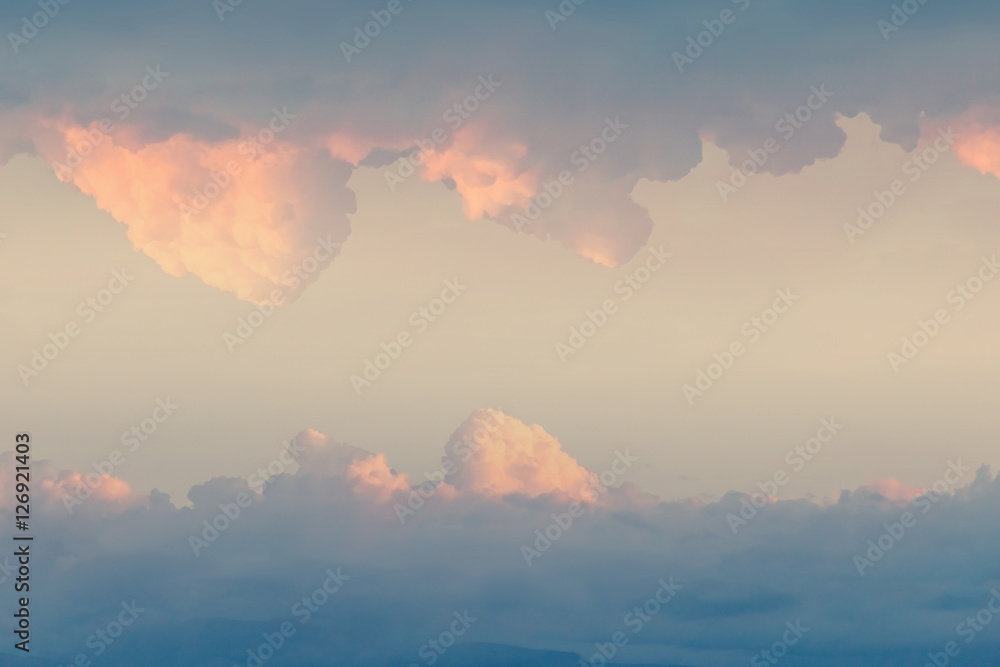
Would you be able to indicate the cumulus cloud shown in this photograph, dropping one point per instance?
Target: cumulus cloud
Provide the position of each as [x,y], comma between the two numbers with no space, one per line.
[790,561]
[978,143]
[556,92]
[243,215]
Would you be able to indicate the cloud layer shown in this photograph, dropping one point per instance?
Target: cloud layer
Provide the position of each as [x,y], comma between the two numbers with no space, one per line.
[463,549]
[600,106]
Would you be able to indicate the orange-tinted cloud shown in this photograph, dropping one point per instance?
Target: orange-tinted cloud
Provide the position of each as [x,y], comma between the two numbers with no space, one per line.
[893,489]
[68,491]
[373,477]
[240,216]
[978,143]
[488,175]
[508,456]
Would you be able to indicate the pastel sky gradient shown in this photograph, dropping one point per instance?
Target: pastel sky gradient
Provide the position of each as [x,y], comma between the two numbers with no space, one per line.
[560,162]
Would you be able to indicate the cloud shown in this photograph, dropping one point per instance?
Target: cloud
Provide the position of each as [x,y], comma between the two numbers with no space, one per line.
[557,91]
[792,561]
[978,143]
[893,489]
[501,455]
[245,216]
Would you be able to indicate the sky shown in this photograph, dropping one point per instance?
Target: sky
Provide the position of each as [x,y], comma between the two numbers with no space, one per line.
[713,281]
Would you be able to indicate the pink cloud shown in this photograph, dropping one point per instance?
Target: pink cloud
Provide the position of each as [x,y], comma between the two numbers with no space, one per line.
[978,143]
[893,489]
[508,456]
[239,216]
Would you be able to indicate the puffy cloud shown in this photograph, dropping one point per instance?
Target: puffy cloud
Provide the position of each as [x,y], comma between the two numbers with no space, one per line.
[791,561]
[245,216]
[892,489]
[501,455]
[557,90]
[489,177]
[978,143]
